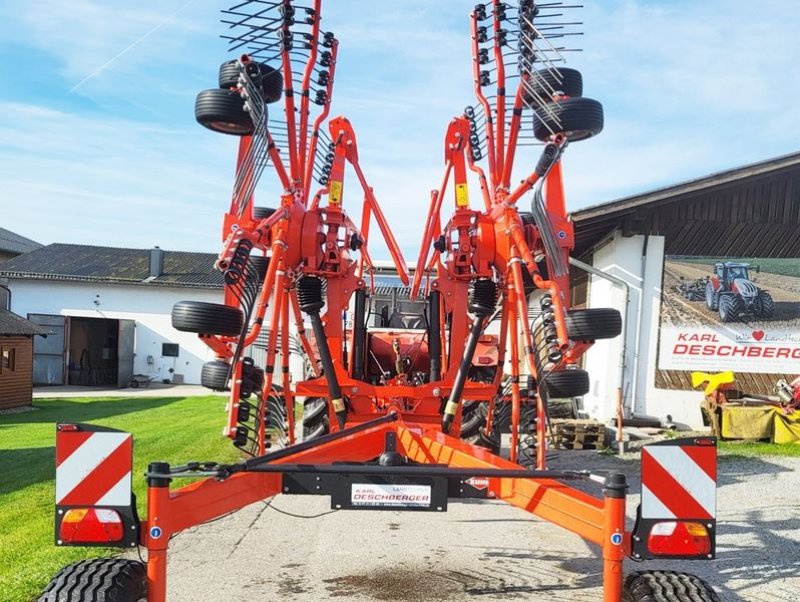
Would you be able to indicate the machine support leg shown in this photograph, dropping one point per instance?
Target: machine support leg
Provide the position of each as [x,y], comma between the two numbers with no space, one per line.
[461,376]
[614,492]
[156,537]
[435,335]
[359,334]
[513,338]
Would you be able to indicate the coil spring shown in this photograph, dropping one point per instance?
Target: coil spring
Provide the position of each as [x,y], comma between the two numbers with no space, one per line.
[241,276]
[547,352]
[474,139]
[326,167]
[482,296]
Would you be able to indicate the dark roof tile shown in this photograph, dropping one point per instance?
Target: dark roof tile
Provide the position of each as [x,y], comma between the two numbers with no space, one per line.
[12,324]
[83,263]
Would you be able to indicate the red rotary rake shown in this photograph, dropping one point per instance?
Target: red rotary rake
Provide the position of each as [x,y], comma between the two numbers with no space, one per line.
[400,412]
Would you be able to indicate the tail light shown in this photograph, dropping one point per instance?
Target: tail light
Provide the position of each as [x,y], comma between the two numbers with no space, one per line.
[91,525]
[673,538]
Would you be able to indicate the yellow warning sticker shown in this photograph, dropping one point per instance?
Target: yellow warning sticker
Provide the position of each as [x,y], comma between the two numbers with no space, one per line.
[335,196]
[462,195]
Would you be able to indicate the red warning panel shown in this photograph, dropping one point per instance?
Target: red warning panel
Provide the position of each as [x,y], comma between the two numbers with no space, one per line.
[679,479]
[93,468]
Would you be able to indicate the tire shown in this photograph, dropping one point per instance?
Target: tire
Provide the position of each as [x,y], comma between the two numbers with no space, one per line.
[712,297]
[271,79]
[315,418]
[593,324]
[560,409]
[567,384]
[730,306]
[277,421]
[99,579]
[526,442]
[577,118]
[544,82]
[207,318]
[261,265]
[473,421]
[669,586]
[214,375]
[223,111]
[765,305]
[260,213]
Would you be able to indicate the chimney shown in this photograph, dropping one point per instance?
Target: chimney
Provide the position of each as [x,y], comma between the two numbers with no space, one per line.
[156,262]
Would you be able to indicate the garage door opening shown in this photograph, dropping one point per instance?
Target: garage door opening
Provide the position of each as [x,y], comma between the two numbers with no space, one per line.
[100,352]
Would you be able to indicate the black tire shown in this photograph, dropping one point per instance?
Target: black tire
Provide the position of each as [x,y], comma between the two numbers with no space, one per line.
[593,324]
[765,306]
[271,79]
[669,586]
[567,384]
[260,213]
[730,306]
[99,579]
[712,297]
[223,111]
[271,83]
[544,82]
[207,318]
[261,265]
[560,409]
[577,118]
[214,375]
[526,442]
[473,423]
[315,418]
[277,421]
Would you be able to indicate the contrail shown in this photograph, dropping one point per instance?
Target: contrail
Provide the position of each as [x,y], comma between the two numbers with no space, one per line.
[131,46]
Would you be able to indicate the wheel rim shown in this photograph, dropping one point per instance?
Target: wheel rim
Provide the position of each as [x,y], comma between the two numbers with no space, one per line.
[228,127]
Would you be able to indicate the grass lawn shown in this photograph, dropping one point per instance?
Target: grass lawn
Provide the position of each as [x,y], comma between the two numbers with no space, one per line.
[759,448]
[171,429]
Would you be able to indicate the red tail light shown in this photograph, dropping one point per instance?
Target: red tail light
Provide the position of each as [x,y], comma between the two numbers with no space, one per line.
[671,538]
[91,525]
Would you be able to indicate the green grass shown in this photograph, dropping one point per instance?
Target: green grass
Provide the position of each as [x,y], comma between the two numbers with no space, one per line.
[169,429]
[759,449]
[783,267]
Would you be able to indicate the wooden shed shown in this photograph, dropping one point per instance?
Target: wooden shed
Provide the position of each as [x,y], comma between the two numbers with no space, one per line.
[16,359]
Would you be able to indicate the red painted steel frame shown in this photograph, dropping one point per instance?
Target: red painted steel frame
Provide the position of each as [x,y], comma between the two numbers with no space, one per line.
[596,520]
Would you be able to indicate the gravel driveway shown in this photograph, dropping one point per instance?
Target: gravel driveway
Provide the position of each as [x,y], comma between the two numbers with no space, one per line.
[478,551]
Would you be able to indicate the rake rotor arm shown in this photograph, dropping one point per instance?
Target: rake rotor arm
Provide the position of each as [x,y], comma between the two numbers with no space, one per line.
[305,88]
[314,143]
[487,109]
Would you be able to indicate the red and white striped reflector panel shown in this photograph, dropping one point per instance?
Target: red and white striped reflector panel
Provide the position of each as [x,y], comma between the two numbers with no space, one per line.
[93,468]
[679,479]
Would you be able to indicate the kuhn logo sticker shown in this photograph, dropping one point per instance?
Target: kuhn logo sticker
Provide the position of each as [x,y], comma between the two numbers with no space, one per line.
[479,483]
[369,494]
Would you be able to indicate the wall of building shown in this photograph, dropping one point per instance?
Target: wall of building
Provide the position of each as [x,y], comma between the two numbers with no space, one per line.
[15,385]
[622,257]
[149,306]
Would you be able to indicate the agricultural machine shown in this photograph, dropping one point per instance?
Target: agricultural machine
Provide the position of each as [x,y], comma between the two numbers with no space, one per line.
[401,406]
[732,293]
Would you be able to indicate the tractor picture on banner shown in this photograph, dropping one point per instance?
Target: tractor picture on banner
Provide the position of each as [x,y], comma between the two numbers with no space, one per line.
[739,314]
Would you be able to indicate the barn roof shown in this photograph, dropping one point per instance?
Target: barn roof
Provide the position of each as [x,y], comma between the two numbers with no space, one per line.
[749,211]
[11,242]
[11,324]
[84,263]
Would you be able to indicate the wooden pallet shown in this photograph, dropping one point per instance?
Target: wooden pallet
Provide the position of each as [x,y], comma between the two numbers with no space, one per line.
[579,434]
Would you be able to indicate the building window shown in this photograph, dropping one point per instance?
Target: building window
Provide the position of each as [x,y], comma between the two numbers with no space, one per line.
[169,350]
[8,359]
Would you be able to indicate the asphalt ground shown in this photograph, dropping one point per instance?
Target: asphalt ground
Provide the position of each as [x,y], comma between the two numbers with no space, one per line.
[478,551]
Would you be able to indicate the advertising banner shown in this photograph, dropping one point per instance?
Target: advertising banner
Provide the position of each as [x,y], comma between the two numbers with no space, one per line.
[730,314]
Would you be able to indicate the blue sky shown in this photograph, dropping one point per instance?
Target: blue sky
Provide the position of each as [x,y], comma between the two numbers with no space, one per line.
[98,143]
